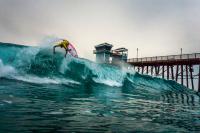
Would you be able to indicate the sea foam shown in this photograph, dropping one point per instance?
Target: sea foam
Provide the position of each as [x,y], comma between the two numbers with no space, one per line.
[6,70]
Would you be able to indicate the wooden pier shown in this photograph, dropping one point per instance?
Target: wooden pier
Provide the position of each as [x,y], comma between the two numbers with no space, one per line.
[184,68]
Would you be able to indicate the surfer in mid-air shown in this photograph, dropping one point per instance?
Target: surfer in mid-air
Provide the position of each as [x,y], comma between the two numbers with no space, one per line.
[64,44]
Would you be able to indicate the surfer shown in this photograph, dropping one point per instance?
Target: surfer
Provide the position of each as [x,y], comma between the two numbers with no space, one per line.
[64,44]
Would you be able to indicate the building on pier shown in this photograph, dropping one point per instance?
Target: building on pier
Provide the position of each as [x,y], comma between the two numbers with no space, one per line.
[119,56]
[105,54]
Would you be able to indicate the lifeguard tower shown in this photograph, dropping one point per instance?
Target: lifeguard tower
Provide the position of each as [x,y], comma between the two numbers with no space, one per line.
[103,53]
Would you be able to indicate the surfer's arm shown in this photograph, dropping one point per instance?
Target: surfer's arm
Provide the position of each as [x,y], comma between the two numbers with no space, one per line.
[54,48]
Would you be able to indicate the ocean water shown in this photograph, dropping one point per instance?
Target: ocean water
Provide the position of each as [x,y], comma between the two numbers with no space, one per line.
[42,92]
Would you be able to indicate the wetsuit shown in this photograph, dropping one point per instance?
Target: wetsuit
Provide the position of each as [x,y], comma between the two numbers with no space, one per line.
[64,44]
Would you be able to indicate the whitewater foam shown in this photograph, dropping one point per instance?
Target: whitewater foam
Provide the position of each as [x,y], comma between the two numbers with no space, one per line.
[45,80]
[6,70]
[108,82]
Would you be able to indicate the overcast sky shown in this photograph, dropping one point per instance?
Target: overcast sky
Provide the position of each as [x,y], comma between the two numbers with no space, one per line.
[156,27]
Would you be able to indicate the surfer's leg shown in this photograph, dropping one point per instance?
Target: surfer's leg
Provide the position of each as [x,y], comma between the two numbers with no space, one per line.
[66,51]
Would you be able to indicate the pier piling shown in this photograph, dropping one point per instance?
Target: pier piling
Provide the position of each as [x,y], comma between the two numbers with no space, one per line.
[199,80]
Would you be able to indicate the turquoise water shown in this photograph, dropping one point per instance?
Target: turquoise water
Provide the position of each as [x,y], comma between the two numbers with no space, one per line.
[42,92]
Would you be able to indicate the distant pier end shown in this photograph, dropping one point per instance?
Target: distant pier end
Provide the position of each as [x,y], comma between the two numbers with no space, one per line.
[105,54]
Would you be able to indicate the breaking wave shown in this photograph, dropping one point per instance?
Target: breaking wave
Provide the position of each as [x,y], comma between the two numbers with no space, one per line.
[39,65]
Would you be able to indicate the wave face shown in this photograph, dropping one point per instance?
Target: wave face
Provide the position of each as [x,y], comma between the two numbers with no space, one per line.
[74,94]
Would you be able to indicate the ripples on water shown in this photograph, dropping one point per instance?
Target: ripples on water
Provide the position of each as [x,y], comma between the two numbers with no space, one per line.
[27,107]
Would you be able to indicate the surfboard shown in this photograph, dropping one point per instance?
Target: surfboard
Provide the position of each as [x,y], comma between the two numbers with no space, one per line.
[72,51]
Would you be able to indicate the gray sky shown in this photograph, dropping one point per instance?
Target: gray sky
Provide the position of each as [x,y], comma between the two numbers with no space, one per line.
[156,27]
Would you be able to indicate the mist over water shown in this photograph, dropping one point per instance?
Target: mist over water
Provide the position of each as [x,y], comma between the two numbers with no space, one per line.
[42,92]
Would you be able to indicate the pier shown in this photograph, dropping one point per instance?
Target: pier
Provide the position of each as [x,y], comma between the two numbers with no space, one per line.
[183,68]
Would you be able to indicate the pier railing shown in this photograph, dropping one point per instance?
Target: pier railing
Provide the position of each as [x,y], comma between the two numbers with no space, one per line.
[166,58]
